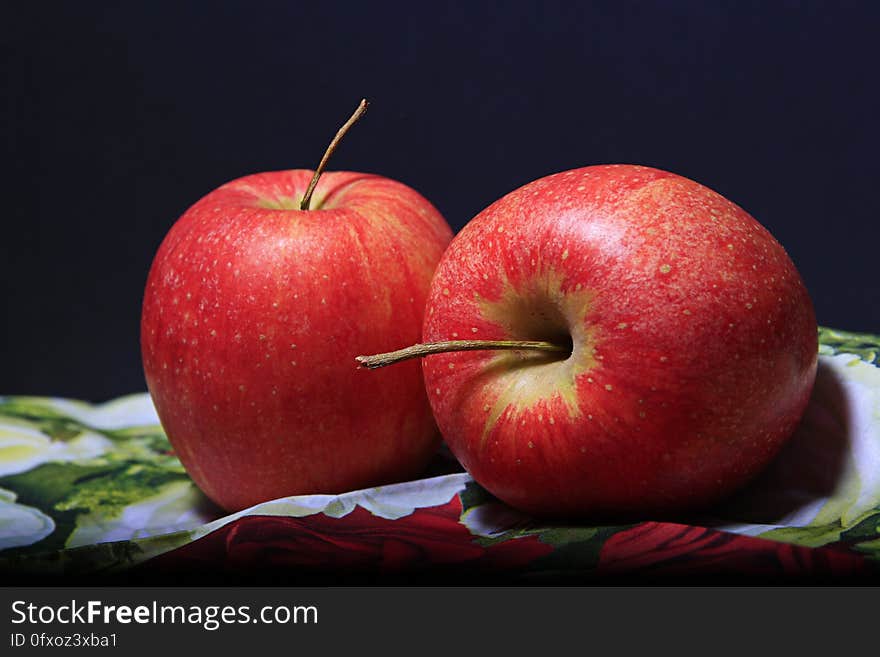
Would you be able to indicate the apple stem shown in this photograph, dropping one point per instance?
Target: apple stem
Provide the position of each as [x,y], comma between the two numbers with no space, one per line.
[426,349]
[358,113]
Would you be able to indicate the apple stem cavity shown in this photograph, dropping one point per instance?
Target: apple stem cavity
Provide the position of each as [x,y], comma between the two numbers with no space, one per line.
[358,113]
[419,350]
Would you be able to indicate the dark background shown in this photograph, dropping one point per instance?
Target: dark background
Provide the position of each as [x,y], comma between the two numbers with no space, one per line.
[117,116]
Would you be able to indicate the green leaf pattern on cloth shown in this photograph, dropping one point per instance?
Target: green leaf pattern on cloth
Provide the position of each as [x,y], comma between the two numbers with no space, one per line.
[96,488]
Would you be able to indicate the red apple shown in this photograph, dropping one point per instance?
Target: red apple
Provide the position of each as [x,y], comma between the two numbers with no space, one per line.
[686,344]
[253,312]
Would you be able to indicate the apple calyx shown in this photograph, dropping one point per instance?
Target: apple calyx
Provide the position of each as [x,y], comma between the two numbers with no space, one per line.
[307,197]
[426,349]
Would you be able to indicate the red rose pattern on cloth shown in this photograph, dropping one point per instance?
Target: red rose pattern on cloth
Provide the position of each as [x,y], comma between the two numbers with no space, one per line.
[670,549]
[358,542]
[434,538]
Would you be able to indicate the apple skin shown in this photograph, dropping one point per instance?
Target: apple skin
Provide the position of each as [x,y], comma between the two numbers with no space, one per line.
[253,313]
[694,345]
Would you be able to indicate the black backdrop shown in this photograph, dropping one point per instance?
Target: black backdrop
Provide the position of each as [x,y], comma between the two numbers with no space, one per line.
[118,115]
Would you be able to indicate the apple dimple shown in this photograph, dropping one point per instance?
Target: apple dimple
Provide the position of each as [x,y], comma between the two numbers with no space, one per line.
[284,191]
[519,383]
[536,315]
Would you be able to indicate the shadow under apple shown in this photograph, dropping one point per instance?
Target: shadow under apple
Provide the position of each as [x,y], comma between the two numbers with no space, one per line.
[808,469]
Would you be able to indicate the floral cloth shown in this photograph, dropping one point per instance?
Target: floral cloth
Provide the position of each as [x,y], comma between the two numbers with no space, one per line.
[96,489]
